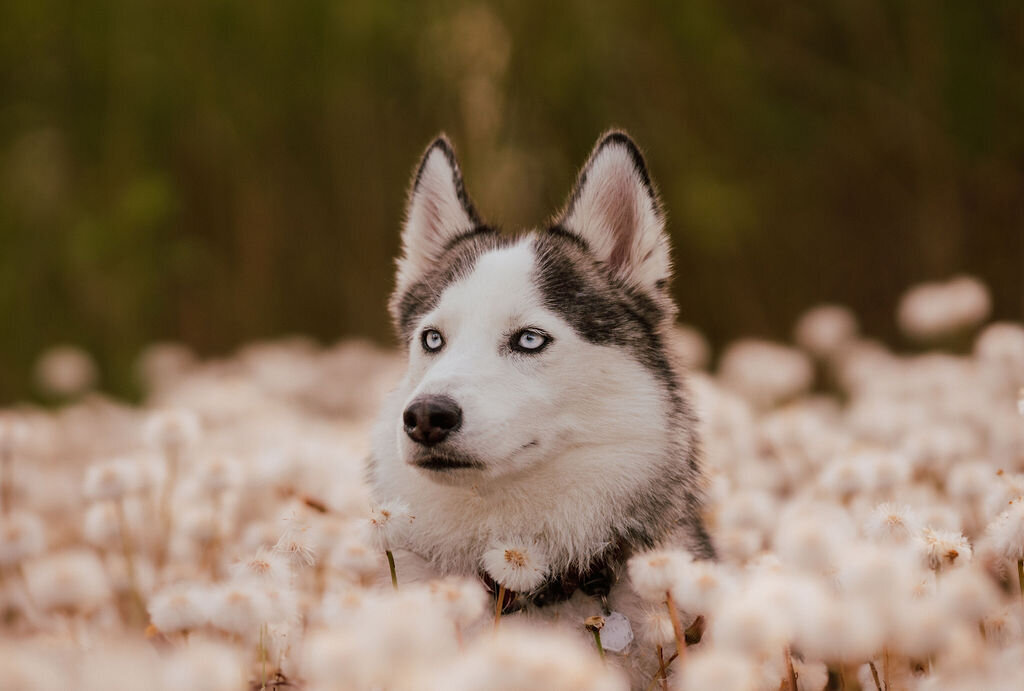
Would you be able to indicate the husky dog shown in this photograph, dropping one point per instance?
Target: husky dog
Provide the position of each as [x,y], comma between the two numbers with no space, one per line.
[540,402]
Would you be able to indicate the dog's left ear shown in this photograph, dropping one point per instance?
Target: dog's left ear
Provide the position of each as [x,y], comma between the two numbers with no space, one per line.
[615,210]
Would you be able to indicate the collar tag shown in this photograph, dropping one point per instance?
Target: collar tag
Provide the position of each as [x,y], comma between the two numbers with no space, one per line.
[617,634]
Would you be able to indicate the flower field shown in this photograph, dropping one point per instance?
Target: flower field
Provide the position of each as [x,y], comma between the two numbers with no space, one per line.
[867,507]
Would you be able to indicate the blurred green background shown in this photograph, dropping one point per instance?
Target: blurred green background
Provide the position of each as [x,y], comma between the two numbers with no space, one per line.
[216,171]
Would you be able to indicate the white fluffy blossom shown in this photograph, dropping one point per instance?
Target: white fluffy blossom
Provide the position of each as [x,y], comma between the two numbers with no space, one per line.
[22,535]
[653,574]
[388,524]
[519,565]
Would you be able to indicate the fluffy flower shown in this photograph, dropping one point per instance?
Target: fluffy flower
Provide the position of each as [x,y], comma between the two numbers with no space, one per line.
[113,479]
[718,669]
[71,580]
[22,535]
[464,600]
[765,373]
[172,429]
[181,607]
[897,523]
[387,525]
[653,574]
[934,310]
[823,330]
[355,560]
[295,543]
[1006,533]
[240,608]
[266,565]
[518,565]
[942,549]
[66,370]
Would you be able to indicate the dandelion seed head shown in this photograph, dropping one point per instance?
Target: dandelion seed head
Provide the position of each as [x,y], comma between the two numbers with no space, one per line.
[172,429]
[519,565]
[388,525]
[653,574]
[181,607]
[69,580]
[113,479]
[22,535]
[943,549]
[895,523]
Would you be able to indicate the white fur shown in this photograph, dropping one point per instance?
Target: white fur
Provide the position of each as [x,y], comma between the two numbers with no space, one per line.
[597,416]
[435,215]
[620,220]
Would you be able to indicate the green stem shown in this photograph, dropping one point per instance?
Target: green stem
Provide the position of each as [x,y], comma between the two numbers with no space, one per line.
[498,603]
[391,565]
[1020,576]
[597,640]
[263,659]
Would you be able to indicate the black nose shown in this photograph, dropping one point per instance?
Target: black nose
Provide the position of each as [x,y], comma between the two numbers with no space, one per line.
[430,419]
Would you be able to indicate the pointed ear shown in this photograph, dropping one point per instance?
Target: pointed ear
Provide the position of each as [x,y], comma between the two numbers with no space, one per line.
[438,211]
[615,210]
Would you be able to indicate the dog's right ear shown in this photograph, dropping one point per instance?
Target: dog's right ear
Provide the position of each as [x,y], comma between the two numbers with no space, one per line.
[438,211]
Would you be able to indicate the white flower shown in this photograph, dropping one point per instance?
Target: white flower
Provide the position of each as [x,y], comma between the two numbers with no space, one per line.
[295,543]
[463,599]
[172,429]
[388,524]
[653,574]
[933,310]
[66,370]
[22,535]
[181,607]
[113,479]
[354,559]
[823,330]
[656,627]
[73,580]
[1006,533]
[942,549]
[766,374]
[518,565]
[717,668]
[897,523]
[240,607]
[699,585]
[209,666]
[266,565]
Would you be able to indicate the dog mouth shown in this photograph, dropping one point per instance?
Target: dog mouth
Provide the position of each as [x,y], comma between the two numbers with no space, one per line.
[437,463]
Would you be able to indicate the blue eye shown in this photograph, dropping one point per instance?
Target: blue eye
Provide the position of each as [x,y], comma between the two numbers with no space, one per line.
[432,340]
[529,341]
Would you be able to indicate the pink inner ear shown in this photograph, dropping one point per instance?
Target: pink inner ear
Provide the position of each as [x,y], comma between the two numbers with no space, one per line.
[619,208]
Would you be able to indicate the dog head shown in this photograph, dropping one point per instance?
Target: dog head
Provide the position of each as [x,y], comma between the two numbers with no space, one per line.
[521,347]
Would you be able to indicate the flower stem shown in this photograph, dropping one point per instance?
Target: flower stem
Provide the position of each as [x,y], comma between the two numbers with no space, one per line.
[263,659]
[790,671]
[391,565]
[677,628]
[1020,576]
[139,607]
[874,675]
[497,605]
[597,640]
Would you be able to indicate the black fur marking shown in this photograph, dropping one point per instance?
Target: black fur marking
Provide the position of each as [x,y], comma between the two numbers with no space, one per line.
[445,147]
[600,309]
[456,263]
[605,311]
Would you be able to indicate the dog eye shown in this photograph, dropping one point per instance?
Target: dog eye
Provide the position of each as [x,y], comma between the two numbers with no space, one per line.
[529,341]
[432,340]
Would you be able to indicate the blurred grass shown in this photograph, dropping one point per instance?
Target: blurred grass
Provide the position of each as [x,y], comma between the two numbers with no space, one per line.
[216,171]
